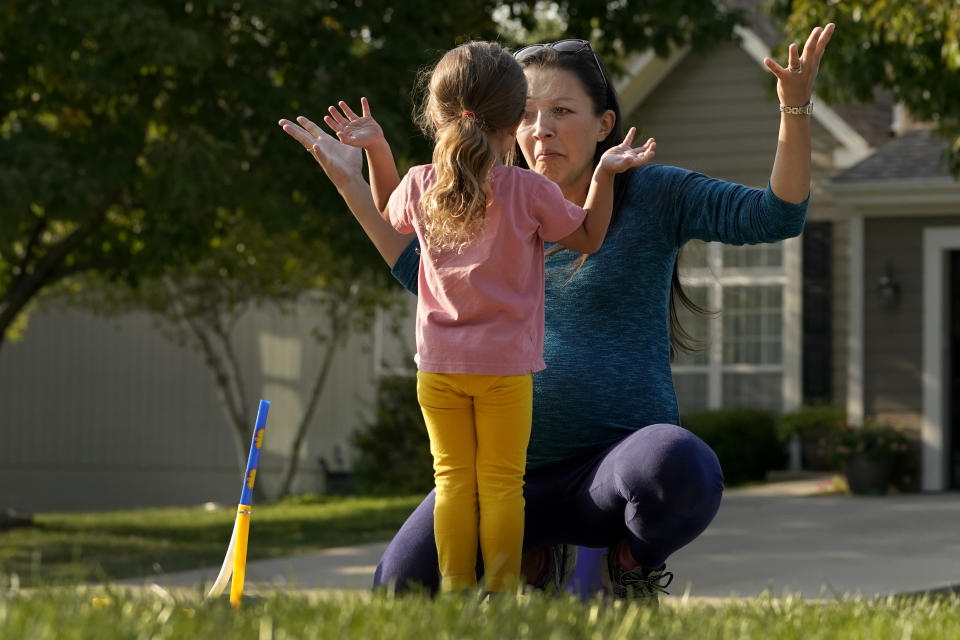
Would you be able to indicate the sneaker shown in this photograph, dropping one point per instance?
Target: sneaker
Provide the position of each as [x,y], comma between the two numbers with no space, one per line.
[559,567]
[638,584]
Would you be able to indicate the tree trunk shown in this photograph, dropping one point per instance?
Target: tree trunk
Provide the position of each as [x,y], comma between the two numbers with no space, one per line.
[224,380]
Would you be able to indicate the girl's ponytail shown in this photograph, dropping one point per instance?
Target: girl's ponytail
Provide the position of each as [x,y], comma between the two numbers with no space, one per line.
[453,207]
[474,90]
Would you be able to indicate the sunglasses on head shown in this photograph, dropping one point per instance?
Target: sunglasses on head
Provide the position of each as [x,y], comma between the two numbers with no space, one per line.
[572,45]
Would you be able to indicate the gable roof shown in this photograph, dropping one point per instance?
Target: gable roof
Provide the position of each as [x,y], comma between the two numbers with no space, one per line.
[915,155]
[904,178]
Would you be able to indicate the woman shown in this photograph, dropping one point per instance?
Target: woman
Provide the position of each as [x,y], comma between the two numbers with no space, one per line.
[607,464]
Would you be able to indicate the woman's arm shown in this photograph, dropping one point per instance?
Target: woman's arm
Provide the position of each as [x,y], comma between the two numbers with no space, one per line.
[343,164]
[790,178]
[697,206]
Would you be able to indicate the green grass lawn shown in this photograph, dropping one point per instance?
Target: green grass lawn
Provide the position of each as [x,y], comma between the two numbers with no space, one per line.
[63,548]
[64,614]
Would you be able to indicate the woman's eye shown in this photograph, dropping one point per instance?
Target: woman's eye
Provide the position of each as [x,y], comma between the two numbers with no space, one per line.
[529,116]
[561,110]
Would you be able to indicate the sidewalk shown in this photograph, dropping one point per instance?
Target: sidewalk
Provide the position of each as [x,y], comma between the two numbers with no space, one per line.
[781,538]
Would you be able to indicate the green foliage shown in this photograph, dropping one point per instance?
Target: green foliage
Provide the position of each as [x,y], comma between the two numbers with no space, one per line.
[908,47]
[65,614]
[745,441]
[393,453]
[811,421]
[138,138]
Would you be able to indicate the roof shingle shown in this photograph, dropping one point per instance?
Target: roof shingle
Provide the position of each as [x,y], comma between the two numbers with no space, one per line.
[911,156]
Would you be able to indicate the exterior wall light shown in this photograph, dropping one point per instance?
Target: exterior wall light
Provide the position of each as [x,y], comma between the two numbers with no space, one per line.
[889,290]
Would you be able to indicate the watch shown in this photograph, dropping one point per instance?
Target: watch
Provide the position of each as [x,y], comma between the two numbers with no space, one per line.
[803,110]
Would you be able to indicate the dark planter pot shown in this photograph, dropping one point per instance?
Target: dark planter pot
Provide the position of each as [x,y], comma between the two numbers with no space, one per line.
[867,476]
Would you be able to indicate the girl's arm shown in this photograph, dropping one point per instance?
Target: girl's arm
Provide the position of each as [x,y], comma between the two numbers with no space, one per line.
[343,164]
[588,238]
[365,132]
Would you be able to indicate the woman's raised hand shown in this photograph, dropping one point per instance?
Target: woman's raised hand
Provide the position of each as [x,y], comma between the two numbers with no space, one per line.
[356,131]
[340,162]
[622,157]
[795,83]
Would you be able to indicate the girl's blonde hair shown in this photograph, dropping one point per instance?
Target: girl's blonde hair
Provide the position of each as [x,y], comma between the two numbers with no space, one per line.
[475,89]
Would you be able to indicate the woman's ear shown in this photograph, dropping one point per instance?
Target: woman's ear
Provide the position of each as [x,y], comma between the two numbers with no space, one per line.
[607,122]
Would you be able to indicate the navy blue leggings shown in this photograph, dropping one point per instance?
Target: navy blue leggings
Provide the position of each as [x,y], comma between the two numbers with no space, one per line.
[659,487]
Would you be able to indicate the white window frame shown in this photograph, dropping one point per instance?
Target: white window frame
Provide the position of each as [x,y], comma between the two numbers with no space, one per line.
[714,278]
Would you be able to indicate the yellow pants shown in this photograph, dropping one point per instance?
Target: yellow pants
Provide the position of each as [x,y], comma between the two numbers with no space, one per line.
[479,428]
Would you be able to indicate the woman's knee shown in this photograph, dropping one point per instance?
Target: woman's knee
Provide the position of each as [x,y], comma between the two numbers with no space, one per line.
[672,463]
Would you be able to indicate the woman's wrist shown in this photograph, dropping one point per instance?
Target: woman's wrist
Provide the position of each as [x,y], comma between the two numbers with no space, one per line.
[352,184]
[804,109]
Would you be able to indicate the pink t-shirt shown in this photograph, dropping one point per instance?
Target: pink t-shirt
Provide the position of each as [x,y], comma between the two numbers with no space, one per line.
[481,311]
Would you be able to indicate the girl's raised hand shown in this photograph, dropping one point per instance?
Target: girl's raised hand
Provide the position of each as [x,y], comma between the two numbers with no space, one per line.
[622,157]
[340,162]
[356,131]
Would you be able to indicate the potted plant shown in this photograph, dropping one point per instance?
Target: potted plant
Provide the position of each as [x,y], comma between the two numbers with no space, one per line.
[869,454]
[815,425]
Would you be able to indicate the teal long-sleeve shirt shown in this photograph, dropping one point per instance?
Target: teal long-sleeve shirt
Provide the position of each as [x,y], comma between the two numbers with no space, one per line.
[607,340]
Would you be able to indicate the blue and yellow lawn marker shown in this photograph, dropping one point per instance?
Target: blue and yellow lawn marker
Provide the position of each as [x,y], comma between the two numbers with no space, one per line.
[235,562]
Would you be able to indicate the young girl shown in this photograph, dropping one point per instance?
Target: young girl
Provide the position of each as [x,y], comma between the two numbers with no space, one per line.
[481,227]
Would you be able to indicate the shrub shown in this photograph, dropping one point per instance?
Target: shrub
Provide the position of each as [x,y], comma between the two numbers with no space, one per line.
[812,421]
[745,441]
[816,425]
[393,453]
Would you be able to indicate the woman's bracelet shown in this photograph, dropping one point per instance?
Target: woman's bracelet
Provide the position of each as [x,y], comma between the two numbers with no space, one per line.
[803,110]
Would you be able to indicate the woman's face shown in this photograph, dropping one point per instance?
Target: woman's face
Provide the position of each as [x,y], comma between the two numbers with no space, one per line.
[559,131]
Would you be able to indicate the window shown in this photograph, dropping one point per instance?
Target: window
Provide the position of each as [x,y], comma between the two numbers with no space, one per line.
[752,324]
[744,362]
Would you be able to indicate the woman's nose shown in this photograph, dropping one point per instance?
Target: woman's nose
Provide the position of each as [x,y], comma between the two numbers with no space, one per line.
[542,127]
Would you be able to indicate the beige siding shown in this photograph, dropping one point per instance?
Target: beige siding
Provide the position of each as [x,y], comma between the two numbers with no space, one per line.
[101,413]
[893,353]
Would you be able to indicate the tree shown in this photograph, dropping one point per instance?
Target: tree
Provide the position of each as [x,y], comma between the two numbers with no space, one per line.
[910,48]
[139,148]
